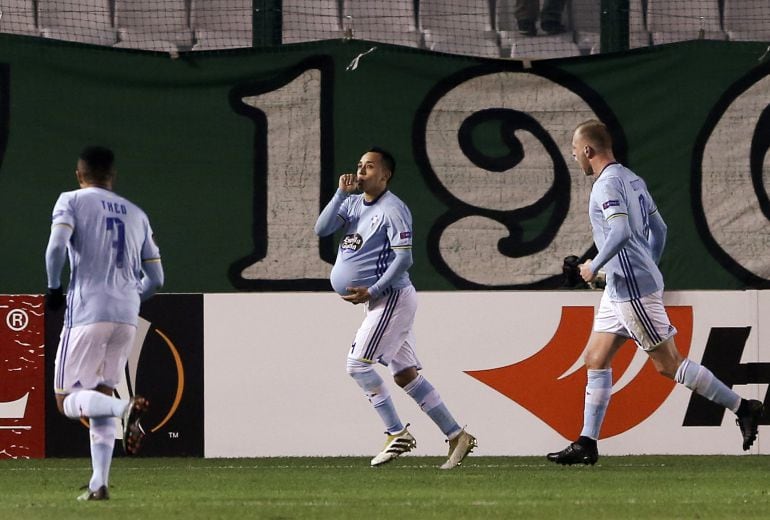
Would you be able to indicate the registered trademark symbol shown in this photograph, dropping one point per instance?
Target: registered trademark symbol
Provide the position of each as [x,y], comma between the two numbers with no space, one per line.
[17,319]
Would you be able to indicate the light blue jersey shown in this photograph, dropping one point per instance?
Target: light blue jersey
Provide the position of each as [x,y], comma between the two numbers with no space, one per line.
[619,198]
[372,232]
[111,238]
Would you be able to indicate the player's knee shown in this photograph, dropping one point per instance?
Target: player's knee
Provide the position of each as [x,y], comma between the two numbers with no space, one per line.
[60,403]
[666,359]
[105,389]
[363,374]
[354,367]
[667,367]
[596,361]
[406,376]
[666,371]
[369,380]
[69,406]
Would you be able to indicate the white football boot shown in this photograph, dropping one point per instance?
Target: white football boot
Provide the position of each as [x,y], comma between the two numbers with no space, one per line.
[397,444]
[459,448]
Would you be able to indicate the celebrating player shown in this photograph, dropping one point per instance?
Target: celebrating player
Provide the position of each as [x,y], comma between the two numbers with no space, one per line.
[630,234]
[371,268]
[114,263]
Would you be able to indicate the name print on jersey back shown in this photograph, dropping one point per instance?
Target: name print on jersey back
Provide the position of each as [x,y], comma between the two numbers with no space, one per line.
[114,207]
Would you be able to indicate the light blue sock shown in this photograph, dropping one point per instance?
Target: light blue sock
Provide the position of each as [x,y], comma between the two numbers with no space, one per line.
[90,403]
[702,381]
[387,412]
[378,394]
[430,402]
[102,433]
[598,392]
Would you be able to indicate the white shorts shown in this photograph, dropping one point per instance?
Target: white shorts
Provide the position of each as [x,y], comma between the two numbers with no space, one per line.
[386,335]
[92,355]
[644,320]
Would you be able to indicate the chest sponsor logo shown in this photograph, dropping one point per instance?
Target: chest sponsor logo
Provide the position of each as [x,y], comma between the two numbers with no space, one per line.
[352,242]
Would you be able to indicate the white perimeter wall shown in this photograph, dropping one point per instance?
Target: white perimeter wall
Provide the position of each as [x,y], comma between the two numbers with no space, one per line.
[275,380]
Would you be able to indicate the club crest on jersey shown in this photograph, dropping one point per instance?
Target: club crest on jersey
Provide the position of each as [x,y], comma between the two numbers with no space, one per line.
[610,203]
[375,221]
[351,242]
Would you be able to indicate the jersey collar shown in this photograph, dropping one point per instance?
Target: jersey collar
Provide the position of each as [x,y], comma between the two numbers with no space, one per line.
[607,166]
[372,203]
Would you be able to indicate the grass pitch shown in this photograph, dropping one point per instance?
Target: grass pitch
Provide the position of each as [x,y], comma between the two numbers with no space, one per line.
[411,487]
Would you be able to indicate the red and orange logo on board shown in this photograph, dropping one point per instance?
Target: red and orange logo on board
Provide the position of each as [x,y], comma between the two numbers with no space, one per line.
[542,385]
[22,383]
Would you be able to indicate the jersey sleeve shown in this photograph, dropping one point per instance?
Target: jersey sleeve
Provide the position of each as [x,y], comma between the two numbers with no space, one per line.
[150,250]
[400,229]
[63,212]
[652,209]
[344,210]
[334,215]
[56,254]
[618,235]
[611,200]
[657,235]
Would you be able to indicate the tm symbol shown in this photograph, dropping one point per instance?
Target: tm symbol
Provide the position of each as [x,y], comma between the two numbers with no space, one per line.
[173,435]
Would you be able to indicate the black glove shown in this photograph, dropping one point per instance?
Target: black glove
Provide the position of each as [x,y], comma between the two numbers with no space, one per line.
[54,299]
[571,273]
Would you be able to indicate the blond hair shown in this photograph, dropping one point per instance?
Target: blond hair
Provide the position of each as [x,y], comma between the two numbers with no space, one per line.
[596,135]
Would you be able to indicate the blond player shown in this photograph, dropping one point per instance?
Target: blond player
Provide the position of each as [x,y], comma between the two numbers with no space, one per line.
[629,234]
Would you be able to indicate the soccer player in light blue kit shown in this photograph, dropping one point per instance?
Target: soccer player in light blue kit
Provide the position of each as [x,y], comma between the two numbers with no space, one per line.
[630,234]
[374,255]
[114,264]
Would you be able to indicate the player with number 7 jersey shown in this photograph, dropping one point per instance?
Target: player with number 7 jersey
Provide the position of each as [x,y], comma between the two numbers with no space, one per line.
[114,265]
[110,242]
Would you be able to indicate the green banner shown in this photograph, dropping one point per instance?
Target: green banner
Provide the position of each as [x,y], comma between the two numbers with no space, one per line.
[232,155]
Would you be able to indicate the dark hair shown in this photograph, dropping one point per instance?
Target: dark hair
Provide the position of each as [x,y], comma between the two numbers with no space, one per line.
[98,161]
[387,158]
